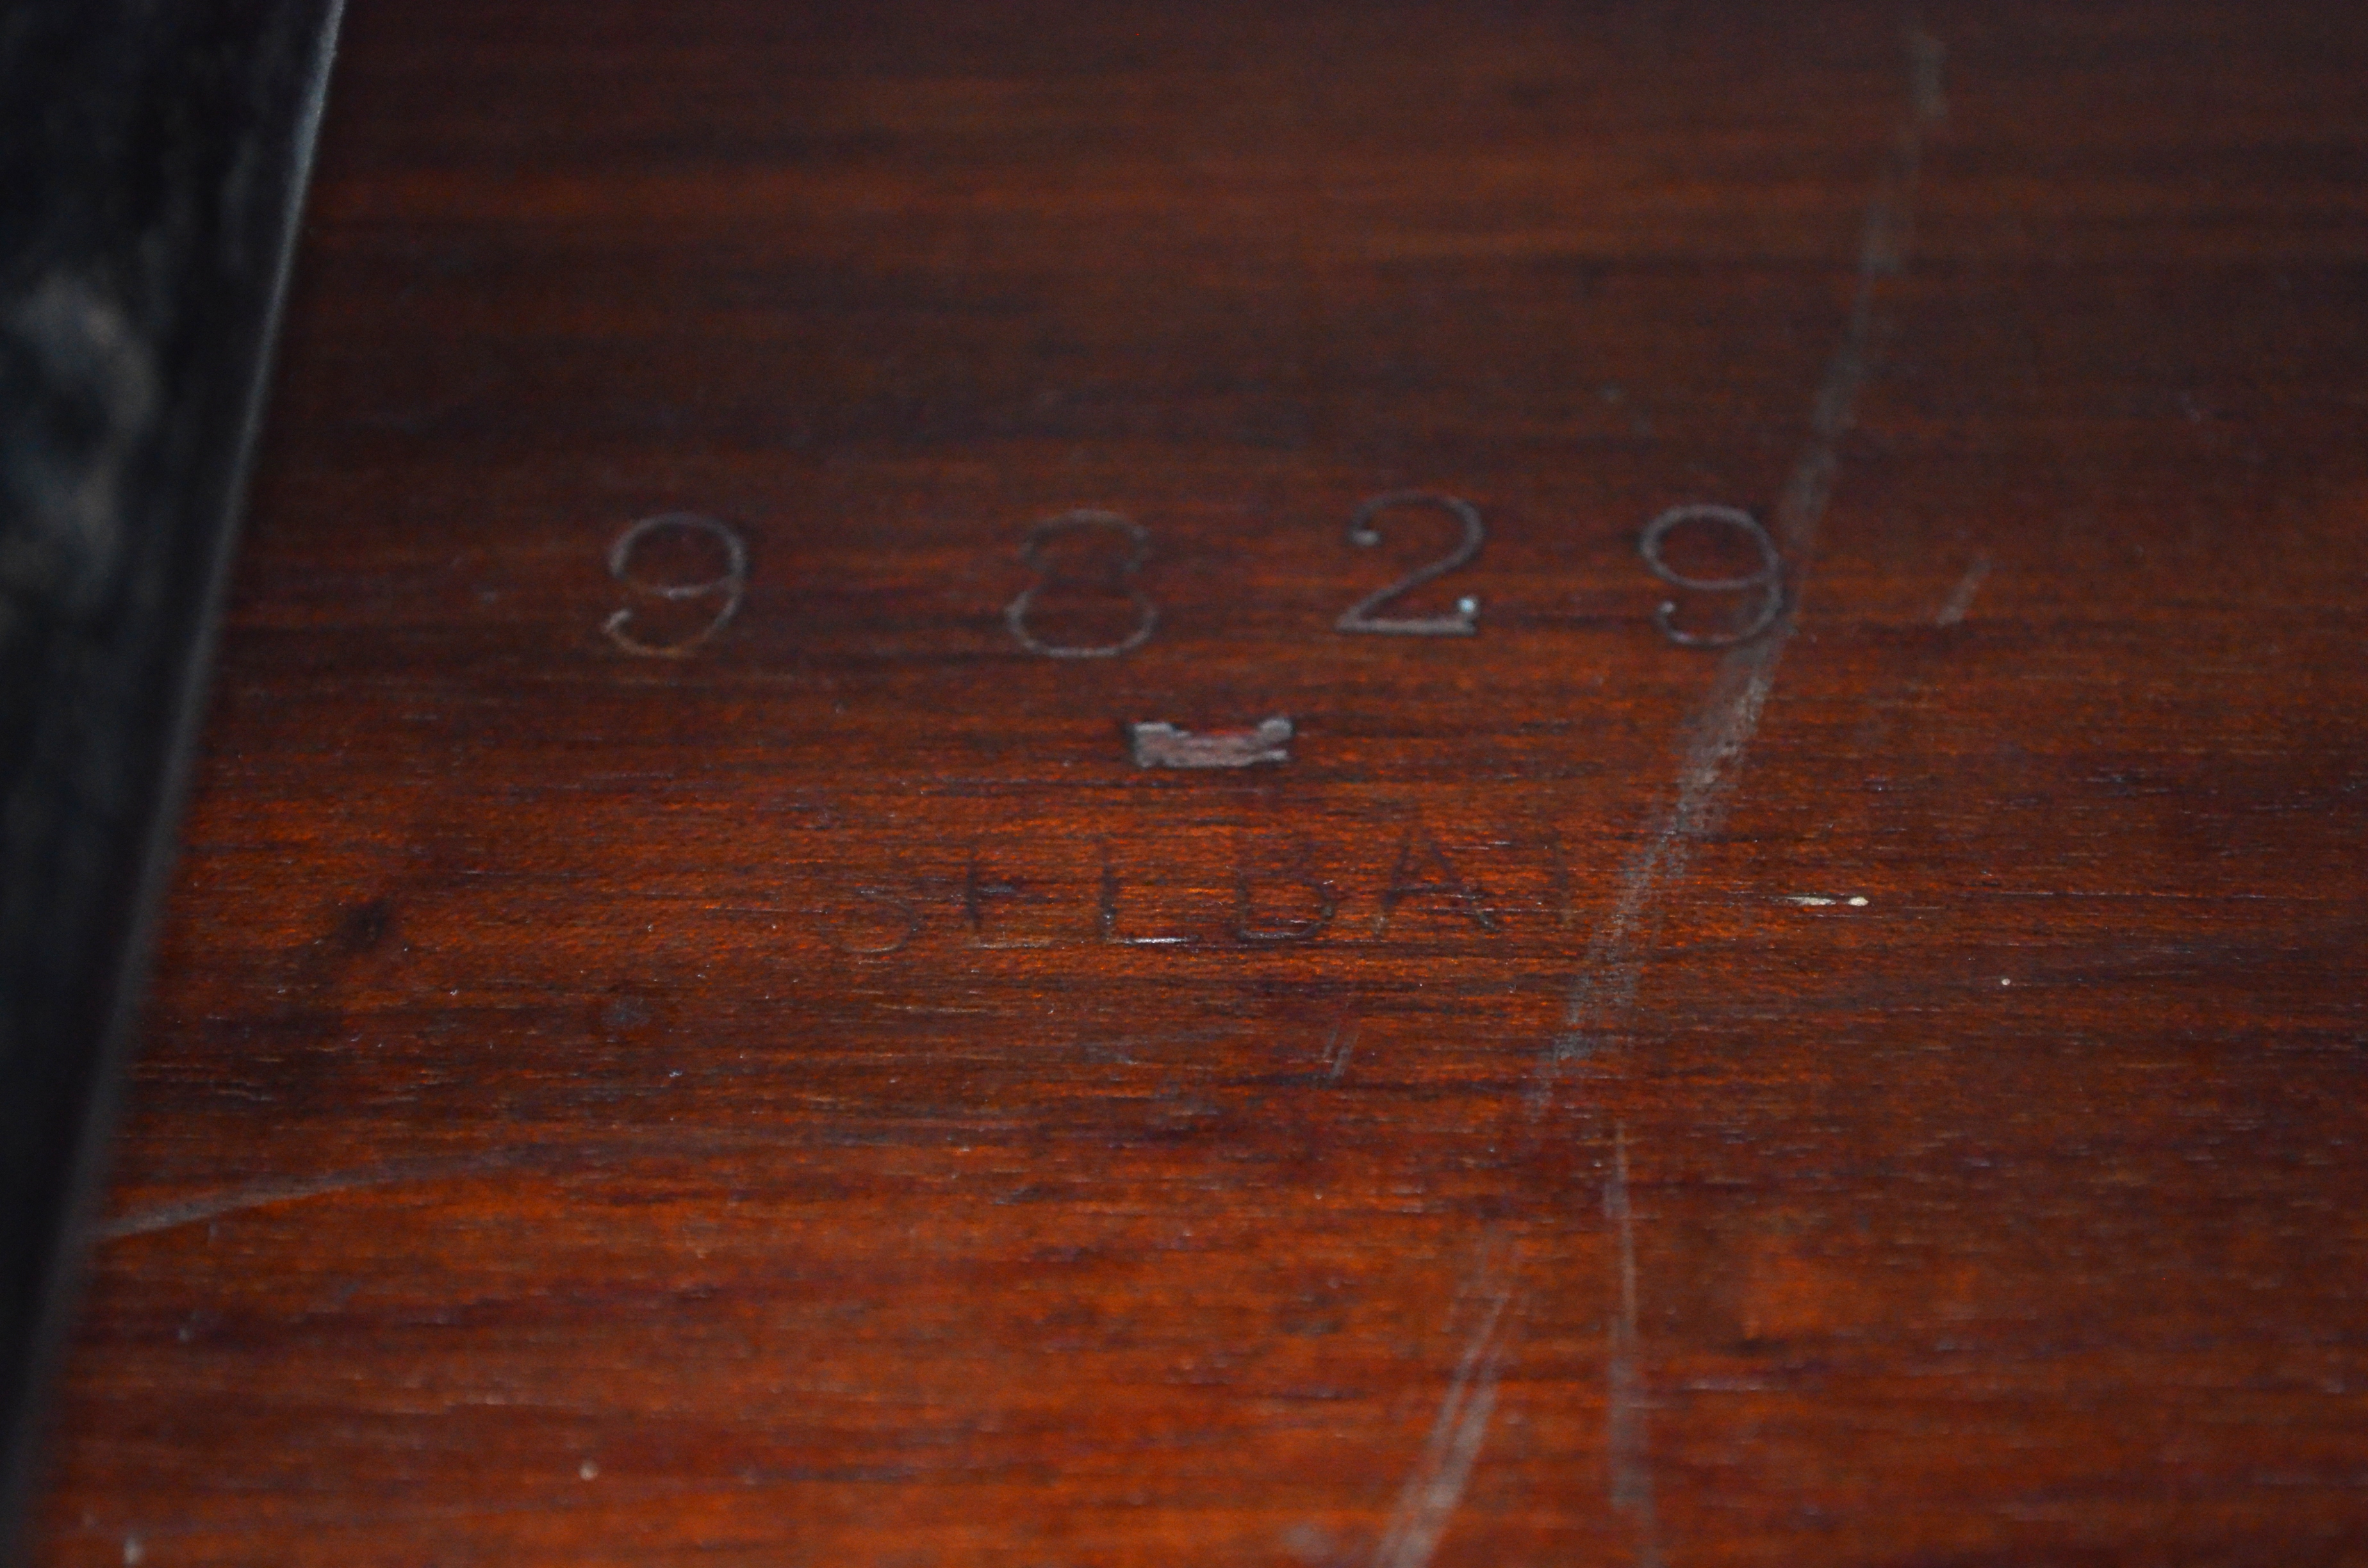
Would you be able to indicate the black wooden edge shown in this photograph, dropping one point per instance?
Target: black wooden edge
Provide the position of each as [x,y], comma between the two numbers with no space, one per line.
[154,160]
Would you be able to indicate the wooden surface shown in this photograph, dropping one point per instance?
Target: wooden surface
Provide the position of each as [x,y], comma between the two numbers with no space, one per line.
[1889,1093]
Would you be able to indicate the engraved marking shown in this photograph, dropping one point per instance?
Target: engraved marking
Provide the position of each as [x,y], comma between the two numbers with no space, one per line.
[1961,597]
[1417,846]
[732,585]
[1770,576]
[899,908]
[977,890]
[1292,928]
[1436,1487]
[1272,891]
[1165,745]
[1632,1472]
[1465,620]
[1107,919]
[1031,555]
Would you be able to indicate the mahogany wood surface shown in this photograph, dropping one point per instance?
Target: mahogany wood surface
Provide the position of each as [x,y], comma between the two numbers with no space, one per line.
[1888,1092]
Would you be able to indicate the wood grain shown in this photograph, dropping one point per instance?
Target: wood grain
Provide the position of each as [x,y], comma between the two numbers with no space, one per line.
[1887,1094]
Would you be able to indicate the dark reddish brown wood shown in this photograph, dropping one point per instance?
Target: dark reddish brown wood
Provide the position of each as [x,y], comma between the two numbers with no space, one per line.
[728,1108]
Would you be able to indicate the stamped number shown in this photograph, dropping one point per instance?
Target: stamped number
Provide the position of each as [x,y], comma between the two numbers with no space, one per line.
[1768,581]
[1464,620]
[1113,575]
[731,587]
[1114,578]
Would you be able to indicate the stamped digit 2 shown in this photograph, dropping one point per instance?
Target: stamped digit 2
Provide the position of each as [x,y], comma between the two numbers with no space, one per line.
[1465,619]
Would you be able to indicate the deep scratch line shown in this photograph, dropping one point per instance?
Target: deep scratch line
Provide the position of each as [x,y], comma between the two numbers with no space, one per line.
[1722,728]
[1435,1488]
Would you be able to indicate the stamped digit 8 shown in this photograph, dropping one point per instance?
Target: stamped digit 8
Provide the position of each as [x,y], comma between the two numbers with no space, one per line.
[1032,554]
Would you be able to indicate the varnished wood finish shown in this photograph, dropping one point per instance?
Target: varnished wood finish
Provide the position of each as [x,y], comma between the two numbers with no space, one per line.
[603,1109]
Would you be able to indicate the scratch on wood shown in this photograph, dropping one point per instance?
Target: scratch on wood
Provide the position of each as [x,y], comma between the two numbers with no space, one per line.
[1436,1486]
[1339,1048]
[1722,732]
[1722,728]
[1723,725]
[1961,597]
[1632,1471]
[291,1189]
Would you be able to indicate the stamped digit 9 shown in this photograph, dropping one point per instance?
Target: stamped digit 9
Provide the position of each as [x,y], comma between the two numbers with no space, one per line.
[1768,580]
[732,585]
